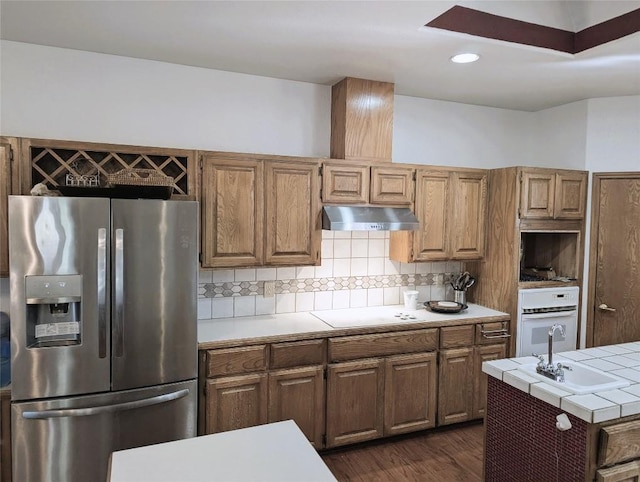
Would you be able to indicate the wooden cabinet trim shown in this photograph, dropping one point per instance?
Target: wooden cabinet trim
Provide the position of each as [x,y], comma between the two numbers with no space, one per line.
[629,472]
[619,443]
[297,353]
[383,344]
[229,361]
[456,336]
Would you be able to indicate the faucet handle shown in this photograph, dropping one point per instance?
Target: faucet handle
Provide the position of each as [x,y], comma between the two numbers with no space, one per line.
[540,359]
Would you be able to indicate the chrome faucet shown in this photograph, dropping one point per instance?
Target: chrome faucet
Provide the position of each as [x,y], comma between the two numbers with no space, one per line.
[547,369]
[552,330]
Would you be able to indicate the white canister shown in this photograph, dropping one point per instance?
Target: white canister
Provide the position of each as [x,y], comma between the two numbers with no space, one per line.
[410,300]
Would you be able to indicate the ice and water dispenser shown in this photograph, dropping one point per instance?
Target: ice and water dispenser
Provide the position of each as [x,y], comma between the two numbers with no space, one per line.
[54,307]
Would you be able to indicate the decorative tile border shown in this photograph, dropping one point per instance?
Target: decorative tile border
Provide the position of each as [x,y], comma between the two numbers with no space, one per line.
[253,288]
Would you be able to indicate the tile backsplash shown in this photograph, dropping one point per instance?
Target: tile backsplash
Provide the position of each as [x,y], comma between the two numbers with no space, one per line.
[355,272]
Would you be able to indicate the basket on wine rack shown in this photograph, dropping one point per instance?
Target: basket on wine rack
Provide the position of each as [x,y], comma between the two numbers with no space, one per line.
[147,183]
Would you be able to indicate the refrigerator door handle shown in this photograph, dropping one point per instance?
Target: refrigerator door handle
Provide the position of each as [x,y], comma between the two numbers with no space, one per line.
[116,407]
[119,294]
[102,292]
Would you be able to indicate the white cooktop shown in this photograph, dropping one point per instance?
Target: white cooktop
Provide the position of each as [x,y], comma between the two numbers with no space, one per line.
[386,315]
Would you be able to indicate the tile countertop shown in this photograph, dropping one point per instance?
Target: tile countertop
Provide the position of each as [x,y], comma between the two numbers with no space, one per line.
[216,330]
[621,360]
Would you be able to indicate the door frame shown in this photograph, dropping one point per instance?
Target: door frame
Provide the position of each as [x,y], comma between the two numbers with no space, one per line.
[593,242]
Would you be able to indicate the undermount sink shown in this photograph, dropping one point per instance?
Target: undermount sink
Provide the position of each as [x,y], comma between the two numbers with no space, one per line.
[578,379]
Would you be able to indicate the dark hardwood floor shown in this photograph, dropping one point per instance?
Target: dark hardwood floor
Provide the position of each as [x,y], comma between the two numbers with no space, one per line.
[443,455]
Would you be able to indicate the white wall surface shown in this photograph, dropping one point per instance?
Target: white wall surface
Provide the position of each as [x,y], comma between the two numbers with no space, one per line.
[449,134]
[57,93]
[560,136]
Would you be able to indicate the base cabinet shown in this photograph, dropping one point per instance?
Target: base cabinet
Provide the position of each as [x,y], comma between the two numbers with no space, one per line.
[455,385]
[410,393]
[355,398]
[298,394]
[236,402]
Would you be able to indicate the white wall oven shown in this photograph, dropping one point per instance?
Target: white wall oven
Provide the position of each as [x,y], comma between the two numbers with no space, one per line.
[541,308]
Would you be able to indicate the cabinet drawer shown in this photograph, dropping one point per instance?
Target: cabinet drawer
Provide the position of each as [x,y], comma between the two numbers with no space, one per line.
[365,346]
[230,361]
[619,442]
[628,472]
[492,333]
[455,336]
[297,353]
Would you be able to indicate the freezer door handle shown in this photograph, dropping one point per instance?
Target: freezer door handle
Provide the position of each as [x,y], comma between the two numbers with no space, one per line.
[118,329]
[102,292]
[116,407]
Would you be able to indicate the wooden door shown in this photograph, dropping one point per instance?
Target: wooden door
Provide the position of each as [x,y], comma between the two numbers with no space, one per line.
[483,354]
[410,393]
[571,195]
[232,213]
[431,242]
[236,402]
[5,189]
[614,279]
[391,185]
[538,191]
[345,184]
[355,401]
[293,227]
[298,394]
[469,203]
[455,386]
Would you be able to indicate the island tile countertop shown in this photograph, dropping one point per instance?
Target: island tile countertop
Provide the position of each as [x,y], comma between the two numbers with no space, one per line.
[272,452]
[213,332]
[621,360]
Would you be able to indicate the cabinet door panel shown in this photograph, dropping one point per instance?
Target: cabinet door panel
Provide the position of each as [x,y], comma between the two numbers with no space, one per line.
[538,191]
[455,385]
[298,395]
[410,393]
[469,215]
[5,189]
[393,186]
[292,214]
[483,354]
[345,184]
[432,192]
[232,213]
[570,195]
[355,402]
[236,402]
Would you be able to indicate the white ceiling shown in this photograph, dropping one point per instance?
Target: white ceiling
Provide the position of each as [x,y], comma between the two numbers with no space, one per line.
[325,41]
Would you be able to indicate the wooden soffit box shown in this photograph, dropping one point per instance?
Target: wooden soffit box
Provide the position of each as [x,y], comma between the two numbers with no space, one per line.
[361,119]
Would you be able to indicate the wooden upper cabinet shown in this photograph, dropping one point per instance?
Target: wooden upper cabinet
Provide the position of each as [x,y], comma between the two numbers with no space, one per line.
[392,185]
[232,212]
[5,189]
[361,119]
[292,213]
[469,215]
[432,200]
[345,183]
[550,194]
[570,195]
[451,207]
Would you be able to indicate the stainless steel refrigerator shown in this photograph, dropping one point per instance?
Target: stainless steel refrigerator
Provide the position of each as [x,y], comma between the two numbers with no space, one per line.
[103,330]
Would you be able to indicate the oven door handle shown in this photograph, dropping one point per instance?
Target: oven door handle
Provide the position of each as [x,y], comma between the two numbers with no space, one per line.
[551,314]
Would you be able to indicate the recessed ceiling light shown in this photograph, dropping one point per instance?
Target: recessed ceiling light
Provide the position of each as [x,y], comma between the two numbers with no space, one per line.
[464,58]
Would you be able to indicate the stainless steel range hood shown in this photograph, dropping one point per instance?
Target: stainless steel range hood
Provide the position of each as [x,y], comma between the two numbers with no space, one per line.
[368,218]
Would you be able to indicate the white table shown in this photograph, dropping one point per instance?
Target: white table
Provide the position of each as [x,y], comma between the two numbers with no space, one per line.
[277,452]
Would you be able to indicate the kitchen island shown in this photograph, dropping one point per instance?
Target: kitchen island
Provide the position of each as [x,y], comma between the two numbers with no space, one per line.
[276,452]
[603,442]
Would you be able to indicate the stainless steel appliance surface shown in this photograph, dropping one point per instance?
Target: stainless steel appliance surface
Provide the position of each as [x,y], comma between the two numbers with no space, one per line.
[104,333]
[539,309]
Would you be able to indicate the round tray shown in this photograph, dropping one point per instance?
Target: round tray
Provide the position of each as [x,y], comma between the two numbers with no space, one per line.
[445,306]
